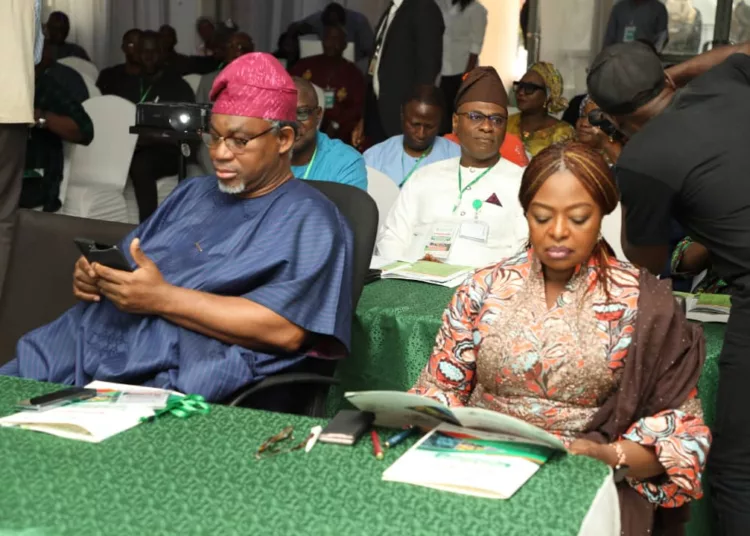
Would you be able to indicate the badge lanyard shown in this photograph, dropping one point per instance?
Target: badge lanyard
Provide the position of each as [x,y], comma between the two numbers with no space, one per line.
[144,95]
[461,189]
[414,168]
[310,165]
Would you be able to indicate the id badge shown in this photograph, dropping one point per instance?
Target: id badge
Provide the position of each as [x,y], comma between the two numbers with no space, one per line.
[477,231]
[441,241]
[329,98]
[629,34]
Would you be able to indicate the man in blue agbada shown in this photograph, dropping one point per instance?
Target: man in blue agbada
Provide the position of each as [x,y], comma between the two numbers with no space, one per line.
[236,276]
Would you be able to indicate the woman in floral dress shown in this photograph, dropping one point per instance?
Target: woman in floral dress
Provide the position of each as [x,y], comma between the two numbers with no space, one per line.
[586,346]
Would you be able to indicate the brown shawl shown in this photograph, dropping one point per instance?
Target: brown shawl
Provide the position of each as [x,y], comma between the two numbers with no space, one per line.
[662,367]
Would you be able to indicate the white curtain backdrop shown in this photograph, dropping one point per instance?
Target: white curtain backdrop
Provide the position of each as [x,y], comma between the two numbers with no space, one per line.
[265,20]
[571,36]
[98,25]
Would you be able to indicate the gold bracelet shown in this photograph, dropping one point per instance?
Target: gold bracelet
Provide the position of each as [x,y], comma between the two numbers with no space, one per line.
[621,458]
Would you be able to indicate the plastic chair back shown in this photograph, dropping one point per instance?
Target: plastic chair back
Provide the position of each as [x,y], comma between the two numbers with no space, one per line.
[383,190]
[193,81]
[91,86]
[84,68]
[106,160]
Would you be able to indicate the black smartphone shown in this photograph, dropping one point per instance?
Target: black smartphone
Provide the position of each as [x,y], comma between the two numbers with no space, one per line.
[372,276]
[109,256]
[58,398]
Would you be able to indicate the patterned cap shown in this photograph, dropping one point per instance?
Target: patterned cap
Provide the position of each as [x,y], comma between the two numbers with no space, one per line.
[255,85]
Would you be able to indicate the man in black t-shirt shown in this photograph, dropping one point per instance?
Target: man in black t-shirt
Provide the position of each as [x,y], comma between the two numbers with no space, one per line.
[152,159]
[687,159]
[114,77]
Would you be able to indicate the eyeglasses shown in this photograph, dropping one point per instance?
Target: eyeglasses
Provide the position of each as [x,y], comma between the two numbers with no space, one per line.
[303,114]
[527,88]
[270,446]
[237,145]
[478,118]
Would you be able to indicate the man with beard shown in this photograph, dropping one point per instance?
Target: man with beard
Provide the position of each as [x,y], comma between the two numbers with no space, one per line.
[236,277]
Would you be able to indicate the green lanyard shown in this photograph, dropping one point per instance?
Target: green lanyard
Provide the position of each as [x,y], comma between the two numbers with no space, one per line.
[310,165]
[461,189]
[144,95]
[413,169]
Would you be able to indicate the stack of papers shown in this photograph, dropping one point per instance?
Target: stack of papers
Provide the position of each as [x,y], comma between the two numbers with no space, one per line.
[706,307]
[116,408]
[435,273]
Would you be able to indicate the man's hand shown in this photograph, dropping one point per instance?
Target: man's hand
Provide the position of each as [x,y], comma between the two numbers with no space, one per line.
[84,281]
[358,134]
[142,291]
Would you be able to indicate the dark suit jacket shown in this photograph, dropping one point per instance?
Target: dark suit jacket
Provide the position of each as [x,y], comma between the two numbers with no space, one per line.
[412,55]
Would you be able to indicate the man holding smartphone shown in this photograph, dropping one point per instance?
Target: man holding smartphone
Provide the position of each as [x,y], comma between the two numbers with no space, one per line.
[237,276]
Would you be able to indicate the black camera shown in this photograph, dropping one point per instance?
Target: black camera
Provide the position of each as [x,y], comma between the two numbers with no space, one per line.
[597,118]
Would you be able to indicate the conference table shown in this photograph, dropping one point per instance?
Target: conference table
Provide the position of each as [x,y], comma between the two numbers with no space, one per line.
[199,476]
[394,333]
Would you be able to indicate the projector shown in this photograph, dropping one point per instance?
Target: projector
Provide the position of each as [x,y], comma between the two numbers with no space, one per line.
[177,116]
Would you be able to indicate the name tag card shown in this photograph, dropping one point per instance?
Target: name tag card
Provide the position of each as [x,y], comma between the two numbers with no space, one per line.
[477,230]
[441,241]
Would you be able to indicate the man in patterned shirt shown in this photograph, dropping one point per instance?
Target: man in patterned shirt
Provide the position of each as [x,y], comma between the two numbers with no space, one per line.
[58,117]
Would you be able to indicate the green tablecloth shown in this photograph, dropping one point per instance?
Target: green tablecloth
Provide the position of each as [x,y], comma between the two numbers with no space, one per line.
[394,332]
[198,476]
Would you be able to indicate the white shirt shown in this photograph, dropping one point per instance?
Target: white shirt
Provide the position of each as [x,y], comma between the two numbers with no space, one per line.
[18,28]
[383,30]
[428,199]
[464,34]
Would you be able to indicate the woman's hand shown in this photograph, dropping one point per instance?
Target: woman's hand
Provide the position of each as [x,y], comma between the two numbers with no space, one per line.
[602,452]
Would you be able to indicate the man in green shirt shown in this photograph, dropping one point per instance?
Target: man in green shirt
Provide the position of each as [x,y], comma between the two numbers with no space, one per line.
[58,117]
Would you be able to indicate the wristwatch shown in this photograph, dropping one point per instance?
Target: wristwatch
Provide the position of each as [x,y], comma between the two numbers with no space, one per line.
[621,468]
[41,122]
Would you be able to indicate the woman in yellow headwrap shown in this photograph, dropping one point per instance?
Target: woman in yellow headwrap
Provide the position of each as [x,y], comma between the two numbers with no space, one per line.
[538,94]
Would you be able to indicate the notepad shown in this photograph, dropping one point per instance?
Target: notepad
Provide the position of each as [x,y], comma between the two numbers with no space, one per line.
[473,451]
[706,307]
[435,273]
[117,407]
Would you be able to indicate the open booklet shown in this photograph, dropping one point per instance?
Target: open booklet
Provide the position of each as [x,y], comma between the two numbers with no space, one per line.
[472,451]
[706,307]
[436,273]
[116,408]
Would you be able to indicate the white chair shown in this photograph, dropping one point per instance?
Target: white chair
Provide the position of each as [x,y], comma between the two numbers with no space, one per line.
[611,227]
[98,172]
[85,68]
[193,81]
[91,86]
[383,190]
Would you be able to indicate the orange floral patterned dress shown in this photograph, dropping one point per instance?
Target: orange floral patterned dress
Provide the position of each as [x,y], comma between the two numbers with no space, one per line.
[501,348]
